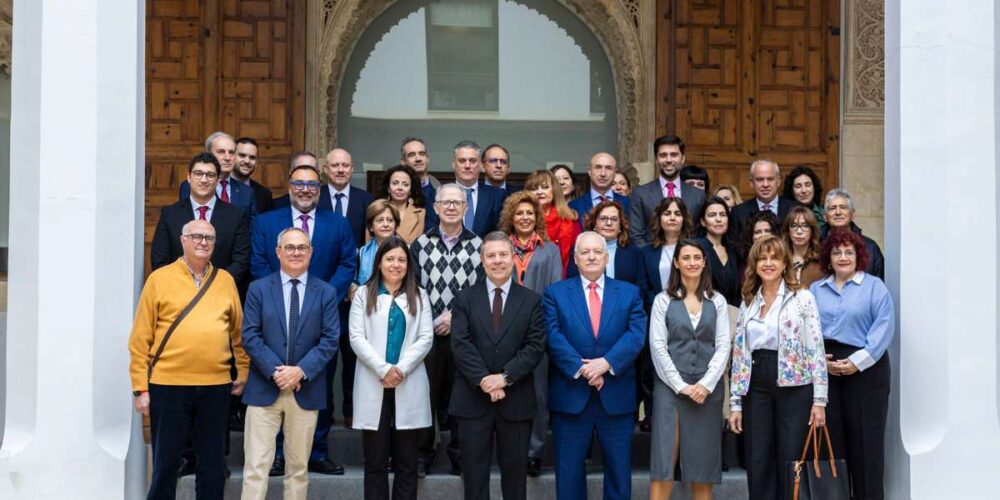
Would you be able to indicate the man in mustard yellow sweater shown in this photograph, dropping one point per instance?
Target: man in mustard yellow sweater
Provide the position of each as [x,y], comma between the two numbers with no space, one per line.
[187,388]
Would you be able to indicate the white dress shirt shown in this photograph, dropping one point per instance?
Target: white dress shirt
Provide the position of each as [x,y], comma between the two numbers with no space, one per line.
[505,291]
[343,202]
[762,333]
[475,196]
[659,335]
[666,264]
[208,213]
[297,222]
[286,292]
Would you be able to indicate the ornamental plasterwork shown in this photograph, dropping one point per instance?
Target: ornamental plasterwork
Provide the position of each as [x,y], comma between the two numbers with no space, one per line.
[6,31]
[614,23]
[865,49]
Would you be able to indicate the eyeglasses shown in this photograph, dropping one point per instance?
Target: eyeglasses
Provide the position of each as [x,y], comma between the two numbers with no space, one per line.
[204,174]
[798,227]
[608,219]
[842,253]
[302,185]
[291,249]
[496,161]
[450,203]
[198,237]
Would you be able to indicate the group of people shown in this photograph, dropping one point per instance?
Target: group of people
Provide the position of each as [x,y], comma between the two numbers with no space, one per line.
[502,312]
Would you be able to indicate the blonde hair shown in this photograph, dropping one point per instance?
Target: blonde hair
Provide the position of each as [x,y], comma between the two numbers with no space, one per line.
[542,177]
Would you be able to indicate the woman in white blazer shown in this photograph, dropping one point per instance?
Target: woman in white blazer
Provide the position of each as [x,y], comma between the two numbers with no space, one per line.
[391,333]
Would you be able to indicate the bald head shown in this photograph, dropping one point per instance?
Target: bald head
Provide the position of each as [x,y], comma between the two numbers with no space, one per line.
[338,168]
[198,242]
[602,172]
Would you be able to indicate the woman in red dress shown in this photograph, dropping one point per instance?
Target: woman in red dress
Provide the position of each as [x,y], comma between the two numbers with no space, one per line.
[560,220]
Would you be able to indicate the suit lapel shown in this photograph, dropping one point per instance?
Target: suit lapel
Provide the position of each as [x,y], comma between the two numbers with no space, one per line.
[479,218]
[511,309]
[481,302]
[307,303]
[278,296]
[579,300]
[607,304]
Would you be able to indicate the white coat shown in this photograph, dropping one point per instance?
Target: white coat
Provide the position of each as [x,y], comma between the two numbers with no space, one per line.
[368,339]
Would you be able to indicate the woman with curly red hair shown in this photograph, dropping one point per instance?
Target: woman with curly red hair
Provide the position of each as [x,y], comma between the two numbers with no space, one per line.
[858,319]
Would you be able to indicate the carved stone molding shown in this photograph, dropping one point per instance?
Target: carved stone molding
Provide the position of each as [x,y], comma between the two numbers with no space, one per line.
[339,24]
[6,33]
[865,76]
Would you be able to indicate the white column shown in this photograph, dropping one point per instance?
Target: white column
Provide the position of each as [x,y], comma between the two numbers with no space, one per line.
[941,236]
[76,250]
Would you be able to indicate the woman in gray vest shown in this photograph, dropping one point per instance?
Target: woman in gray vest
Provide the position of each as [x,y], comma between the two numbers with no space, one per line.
[689,342]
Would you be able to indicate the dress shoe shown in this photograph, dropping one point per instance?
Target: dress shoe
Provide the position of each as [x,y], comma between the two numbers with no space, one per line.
[187,467]
[325,466]
[534,467]
[456,469]
[348,422]
[278,467]
[422,469]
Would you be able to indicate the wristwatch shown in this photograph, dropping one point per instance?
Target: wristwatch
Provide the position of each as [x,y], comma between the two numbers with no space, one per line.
[137,393]
[507,379]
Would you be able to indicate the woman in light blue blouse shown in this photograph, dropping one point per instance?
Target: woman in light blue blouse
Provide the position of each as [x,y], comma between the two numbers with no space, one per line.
[858,320]
[381,221]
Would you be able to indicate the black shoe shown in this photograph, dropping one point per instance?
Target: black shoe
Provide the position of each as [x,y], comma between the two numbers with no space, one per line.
[534,467]
[422,469]
[187,467]
[278,467]
[389,467]
[325,466]
[456,469]
[237,420]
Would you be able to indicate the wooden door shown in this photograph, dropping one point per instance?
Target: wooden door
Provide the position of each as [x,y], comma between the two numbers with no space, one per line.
[231,65]
[741,80]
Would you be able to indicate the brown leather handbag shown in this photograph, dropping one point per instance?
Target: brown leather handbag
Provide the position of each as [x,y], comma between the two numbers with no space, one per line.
[817,479]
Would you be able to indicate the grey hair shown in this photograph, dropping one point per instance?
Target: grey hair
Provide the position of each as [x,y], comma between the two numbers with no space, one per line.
[452,185]
[588,233]
[753,165]
[402,152]
[289,230]
[215,135]
[185,229]
[496,236]
[468,144]
[838,193]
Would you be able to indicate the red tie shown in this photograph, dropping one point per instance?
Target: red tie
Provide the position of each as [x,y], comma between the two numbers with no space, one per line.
[305,222]
[225,195]
[201,212]
[595,308]
[670,190]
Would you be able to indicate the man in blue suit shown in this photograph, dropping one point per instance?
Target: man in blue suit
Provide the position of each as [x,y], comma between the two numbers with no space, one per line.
[483,202]
[602,177]
[334,260]
[228,189]
[596,328]
[290,331]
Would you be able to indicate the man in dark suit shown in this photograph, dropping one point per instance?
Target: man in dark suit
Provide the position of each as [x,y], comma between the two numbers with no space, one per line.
[765,179]
[483,202]
[290,331]
[246,164]
[352,203]
[235,193]
[669,154]
[334,260]
[232,228]
[596,327]
[495,162]
[497,339]
[602,177]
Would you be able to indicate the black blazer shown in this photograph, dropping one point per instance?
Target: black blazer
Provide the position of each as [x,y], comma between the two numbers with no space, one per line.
[480,351]
[743,211]
[232,238]
[262,195]
[356,208]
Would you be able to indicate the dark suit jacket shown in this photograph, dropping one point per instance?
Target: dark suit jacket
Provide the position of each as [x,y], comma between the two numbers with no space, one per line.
[265,338]
[571,338]
[583,204]
[743,211]
[488,208]
[645,199]
[508,190]
[239,195]
[334,256]
[649,276]
[628,265]
[262,197]
[232,237]
[356,208]
[479,351]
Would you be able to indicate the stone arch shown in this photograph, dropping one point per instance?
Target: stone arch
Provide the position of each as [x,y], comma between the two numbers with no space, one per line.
[339,24]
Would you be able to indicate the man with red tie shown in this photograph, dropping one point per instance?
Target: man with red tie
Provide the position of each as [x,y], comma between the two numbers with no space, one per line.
[229,189]
[596,328]
[602,177]
[669,153]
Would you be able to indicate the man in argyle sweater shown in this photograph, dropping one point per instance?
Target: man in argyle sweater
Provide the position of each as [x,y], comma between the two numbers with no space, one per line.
[445,260]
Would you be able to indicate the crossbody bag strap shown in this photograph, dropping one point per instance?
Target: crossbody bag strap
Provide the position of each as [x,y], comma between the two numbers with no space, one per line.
[180,317]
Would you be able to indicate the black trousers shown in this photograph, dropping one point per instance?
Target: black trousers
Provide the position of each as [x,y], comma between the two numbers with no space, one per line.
[644,380]
[176,410]
[512,438]
[775,425]
[348,361]
[441,368]
[856,414]
[387,442]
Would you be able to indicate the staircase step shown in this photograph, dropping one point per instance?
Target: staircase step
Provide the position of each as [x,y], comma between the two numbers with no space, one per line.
[351,486]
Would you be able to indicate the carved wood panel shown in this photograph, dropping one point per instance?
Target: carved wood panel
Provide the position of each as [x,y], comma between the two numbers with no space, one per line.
[231,65]
[744,80]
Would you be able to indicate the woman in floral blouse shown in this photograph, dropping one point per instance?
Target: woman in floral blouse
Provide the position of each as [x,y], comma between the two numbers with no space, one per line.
[779,378]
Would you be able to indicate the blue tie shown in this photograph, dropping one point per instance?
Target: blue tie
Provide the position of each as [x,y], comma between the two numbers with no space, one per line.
[293,318]
[339,207]
[470,210]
